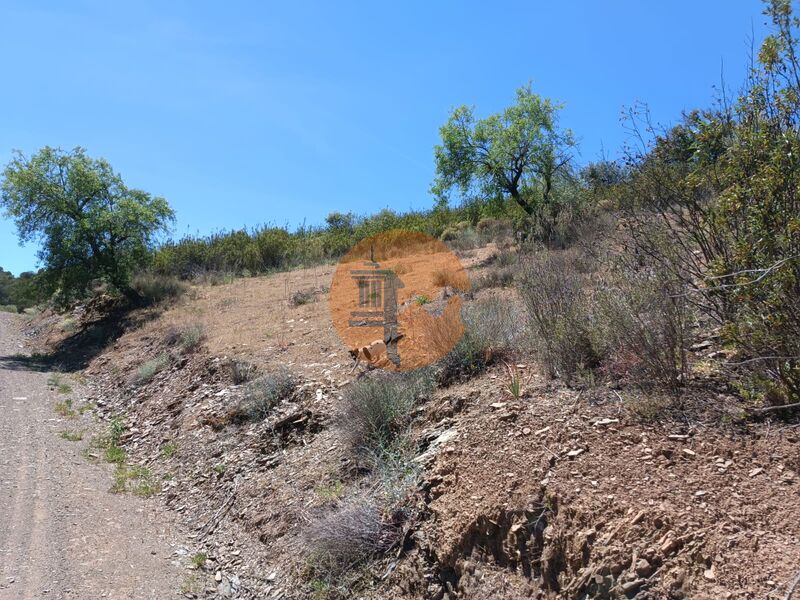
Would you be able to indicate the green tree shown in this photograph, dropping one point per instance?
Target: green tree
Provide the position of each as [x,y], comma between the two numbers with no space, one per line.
[519,153]
[91,226]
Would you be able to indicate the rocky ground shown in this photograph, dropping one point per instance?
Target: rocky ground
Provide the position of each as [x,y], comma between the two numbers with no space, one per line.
[63,535]
[561,493]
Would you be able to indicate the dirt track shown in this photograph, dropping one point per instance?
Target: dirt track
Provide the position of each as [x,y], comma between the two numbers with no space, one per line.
[62,534]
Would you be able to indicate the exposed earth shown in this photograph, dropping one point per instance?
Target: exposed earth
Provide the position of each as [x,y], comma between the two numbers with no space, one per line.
[62,534]
[561,493]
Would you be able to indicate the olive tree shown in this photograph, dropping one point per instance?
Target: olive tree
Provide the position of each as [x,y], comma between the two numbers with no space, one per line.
[90,225]
[519,153]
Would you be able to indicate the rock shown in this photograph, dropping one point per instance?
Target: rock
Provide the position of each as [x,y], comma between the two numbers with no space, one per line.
[643,568]
[631,586]
[575,453]
[710,574]
[701,345]
[218,576]
[602,422]
[755,472]
[224,589]
[526,430]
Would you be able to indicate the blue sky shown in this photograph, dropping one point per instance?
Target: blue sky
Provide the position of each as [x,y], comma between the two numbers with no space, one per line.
[242,113]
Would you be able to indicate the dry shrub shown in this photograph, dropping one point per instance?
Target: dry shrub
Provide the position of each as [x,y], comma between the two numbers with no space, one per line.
[263,394]
[153,289]
[186,337]
[643,323]
[301,297]
[458,280]
[489,332]
[348,537]
[560,316]
[241,371]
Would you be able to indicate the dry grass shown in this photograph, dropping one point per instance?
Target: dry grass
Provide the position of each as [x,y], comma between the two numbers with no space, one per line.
[458,280]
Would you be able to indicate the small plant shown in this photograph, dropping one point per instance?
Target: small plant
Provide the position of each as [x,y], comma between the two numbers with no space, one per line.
[422,299]
[191,337]
[71,436]
[331,492]
[56,382]
[151,368]
[168,450]
[517,382]
[301,297]
[199,560]
[115,455]
[263,394]
[191,585]
[219,469]
[136,479]
[241,371]
[65,408]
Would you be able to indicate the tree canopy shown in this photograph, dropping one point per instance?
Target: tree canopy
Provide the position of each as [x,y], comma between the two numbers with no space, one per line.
[518,153]
[91,226]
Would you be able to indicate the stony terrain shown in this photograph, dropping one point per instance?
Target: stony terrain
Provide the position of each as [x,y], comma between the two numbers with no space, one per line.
[62,534]
[561,493]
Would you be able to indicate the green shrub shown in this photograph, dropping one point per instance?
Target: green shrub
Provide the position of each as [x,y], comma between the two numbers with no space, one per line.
[151,368]
[378,408]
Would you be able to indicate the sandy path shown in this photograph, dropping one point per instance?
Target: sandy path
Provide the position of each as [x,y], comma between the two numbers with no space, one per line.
[62,534]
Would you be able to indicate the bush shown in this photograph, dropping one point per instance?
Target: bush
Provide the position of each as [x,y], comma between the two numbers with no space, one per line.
[489,332]
[378,408]
[152,288]
[348,537]
[559,315]
[301,297]
[151,368]
[499,277]
[191,338]
[642,321]
[241,371]
[263,394]
[458,280]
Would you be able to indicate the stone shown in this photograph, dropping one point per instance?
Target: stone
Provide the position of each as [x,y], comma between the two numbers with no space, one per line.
[643,568]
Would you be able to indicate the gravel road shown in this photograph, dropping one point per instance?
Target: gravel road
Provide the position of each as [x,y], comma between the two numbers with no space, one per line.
[62,533]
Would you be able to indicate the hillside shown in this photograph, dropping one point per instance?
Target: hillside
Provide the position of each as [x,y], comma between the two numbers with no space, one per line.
[555,491]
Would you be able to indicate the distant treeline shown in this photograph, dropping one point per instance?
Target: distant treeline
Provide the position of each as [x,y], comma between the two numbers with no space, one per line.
[268,248]
[18,293]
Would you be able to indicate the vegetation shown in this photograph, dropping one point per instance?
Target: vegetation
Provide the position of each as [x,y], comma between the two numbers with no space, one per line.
[91,226]
[19,293]
[263,394]
[378,408]
[151,368]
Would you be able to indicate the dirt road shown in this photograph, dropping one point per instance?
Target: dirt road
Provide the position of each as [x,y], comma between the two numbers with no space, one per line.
[62,533]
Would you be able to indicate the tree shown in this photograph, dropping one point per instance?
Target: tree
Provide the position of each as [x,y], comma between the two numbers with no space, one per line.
[90,225]
[519,153]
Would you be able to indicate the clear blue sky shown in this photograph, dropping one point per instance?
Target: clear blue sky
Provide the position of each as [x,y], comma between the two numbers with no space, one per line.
[242,113]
